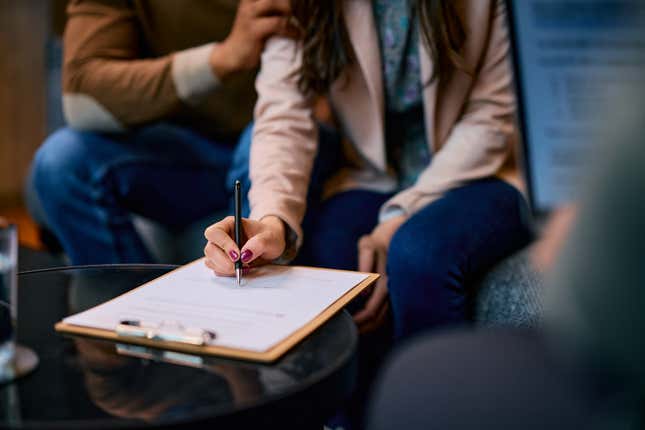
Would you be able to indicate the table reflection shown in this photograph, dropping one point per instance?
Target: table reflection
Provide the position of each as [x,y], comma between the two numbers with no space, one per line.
[84,381]
[147,384]
[135,388]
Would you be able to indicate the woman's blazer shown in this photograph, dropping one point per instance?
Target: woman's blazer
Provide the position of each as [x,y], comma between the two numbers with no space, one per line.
[469,119]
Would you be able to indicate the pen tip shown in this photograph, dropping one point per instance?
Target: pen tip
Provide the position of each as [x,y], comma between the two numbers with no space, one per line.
[237,274]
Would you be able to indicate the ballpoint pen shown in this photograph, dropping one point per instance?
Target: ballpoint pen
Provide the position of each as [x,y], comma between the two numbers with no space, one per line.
[238,229]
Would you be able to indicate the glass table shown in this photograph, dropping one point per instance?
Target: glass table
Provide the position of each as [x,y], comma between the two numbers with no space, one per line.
[84,382]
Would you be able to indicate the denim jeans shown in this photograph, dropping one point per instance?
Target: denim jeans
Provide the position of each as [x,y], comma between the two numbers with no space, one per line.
[435,257]
[89,184]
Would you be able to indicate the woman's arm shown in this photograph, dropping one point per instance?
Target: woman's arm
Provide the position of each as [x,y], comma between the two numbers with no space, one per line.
[284,146]
[481,142]
[285,141]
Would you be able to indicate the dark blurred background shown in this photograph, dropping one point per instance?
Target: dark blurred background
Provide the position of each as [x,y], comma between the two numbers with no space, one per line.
[30,59]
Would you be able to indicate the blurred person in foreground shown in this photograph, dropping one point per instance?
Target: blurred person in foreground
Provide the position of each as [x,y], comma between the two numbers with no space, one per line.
[156,95]
[585,368]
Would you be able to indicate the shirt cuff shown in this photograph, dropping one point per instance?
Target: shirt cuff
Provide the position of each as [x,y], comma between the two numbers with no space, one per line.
[390,212]
[192,74]
[293,234]
[290,248]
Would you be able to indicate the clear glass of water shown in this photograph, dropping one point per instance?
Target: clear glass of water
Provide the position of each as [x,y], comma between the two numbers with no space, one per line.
[15,360]
[8,294]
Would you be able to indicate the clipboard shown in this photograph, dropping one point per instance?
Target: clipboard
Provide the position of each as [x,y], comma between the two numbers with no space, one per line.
[192,346]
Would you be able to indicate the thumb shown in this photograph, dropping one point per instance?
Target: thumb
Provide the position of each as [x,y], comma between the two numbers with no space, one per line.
[258,246]
[366,254]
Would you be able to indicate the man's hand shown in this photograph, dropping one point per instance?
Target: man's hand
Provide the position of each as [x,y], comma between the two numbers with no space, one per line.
[372,256]
[255,22]
[546,250]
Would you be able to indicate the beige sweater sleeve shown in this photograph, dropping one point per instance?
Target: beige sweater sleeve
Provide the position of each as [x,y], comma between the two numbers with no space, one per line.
[108,86]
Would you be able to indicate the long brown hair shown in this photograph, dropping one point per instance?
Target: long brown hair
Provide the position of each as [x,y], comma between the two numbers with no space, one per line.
[327,50]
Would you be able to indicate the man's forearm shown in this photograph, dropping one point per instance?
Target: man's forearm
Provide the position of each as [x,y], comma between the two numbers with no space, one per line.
[111,95]
[109,84]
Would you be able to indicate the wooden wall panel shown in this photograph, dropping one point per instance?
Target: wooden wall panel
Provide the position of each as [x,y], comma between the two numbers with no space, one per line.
[24,28]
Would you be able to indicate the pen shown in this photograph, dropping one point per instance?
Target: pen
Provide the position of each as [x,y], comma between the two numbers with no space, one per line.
[238,229]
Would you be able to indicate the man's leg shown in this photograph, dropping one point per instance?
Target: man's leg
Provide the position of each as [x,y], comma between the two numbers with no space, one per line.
[89,184]
[437,254]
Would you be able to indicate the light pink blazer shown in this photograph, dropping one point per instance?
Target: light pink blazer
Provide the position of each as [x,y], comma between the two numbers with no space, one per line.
[469,119]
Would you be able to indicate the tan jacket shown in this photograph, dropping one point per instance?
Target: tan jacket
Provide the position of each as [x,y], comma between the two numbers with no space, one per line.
[130,63]
[469,119]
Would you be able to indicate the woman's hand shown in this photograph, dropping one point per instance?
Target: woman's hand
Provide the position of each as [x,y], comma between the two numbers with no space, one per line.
[372,256]
[265,241]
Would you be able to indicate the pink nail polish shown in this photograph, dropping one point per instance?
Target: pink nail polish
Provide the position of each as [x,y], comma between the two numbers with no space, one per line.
[246,255]
[233,255]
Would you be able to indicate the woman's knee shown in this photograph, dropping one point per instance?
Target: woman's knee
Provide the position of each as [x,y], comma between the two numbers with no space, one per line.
[417,253]
[425,279]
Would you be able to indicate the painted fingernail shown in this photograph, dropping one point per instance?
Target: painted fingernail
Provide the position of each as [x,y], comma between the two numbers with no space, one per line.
[246,255]
[233,255]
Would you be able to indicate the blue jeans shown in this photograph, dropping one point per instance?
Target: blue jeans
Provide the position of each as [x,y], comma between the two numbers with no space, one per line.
[89,184]
[435,257]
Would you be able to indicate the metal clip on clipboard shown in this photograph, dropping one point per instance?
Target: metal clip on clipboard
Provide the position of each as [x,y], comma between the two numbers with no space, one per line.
[166,331]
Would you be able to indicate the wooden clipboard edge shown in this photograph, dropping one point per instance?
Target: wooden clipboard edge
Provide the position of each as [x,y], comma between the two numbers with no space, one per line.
[75,330]
[270,355]
[296,337]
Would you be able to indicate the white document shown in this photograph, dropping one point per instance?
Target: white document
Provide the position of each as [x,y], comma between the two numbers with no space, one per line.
[271,304]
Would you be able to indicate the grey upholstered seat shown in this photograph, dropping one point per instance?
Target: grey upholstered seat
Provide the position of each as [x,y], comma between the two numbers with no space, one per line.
[510,294]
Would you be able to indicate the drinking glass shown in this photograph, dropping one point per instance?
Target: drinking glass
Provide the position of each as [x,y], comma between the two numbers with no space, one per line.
[15,360]
[8,292]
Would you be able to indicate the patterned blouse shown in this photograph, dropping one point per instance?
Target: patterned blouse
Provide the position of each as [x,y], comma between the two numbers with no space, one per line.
[405,137]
